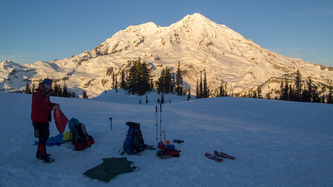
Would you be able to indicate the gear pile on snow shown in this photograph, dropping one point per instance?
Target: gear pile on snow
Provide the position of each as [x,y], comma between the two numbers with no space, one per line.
[81,139]
[167,151]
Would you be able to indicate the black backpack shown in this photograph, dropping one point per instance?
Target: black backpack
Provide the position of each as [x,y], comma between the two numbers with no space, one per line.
[134,142]
[81,139]
[79,133]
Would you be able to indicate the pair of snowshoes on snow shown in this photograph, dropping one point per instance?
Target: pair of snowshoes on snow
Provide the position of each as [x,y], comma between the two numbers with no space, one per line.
[218,156]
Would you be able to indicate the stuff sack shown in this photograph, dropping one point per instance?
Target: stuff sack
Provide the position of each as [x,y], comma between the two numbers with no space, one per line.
[60,120]
[81,139]
[134,142]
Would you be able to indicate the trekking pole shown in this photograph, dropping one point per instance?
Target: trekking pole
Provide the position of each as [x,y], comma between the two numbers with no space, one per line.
[160,121]
[111,122]
[164,137]
[156,125]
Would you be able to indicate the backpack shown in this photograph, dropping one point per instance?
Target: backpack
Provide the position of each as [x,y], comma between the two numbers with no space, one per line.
[81,139]
[134,142]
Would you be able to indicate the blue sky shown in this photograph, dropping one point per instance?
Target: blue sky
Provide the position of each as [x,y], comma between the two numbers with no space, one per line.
[44,30]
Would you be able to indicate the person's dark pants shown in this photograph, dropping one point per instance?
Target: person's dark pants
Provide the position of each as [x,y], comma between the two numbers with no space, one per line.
[42,132]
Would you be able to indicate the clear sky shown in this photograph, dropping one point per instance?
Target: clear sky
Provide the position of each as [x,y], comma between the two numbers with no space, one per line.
[44,30]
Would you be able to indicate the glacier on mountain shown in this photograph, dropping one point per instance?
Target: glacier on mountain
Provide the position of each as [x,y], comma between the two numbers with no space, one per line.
[198,43]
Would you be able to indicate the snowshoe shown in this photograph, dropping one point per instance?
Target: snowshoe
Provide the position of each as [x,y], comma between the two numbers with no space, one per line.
[163,154]
[217,159]
[224,155]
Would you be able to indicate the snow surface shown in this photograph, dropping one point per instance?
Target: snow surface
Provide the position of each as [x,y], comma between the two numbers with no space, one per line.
[276,143]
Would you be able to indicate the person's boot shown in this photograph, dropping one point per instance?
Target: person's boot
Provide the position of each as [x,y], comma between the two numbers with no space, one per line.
[42,155]
[39,156]
[47,159]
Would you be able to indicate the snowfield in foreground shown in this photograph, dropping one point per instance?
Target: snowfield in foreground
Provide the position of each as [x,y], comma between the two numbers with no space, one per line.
[276,143]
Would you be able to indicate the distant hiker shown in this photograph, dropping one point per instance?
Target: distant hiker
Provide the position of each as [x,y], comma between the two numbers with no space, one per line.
[41,108]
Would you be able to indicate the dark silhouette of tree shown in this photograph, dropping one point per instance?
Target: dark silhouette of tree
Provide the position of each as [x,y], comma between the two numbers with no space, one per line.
[138,80]
[27,89]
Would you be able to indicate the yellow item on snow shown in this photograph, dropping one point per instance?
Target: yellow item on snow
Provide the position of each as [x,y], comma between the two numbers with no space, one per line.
[67,136]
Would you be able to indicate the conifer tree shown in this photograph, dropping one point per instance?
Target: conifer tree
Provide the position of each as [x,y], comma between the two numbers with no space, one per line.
[286,90]
[161,83]
[329,97]
[65,92]
[139,77]
[116,85]
[315,94]
[84,94]
[179,81]
[298,84]
[221,93]
[27,88]
[197,90]
[167,80]
[291,94]
[307,93]
[205,89]
[200,87]
[33,88]
[123,84]
[73,94]
[55,91]
[113,81]
[282,91]
[259,92]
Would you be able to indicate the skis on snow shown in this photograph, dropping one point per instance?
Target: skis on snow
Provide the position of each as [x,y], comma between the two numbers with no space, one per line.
[218,156]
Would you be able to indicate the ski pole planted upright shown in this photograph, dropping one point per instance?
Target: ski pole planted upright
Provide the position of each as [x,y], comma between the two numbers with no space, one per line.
[156,111]
[160,122]
[111,122]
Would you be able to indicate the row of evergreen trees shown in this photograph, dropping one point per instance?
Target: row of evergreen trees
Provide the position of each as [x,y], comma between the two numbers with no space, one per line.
[139,80]
[56,90]
[305,93]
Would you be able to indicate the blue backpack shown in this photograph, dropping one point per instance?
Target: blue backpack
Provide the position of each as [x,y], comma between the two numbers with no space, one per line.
[134,142]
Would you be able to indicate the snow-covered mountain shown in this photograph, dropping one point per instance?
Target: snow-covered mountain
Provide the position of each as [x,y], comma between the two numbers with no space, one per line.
[195,41]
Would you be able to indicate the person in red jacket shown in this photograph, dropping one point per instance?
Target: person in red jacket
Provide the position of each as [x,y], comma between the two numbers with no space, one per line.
[41,108]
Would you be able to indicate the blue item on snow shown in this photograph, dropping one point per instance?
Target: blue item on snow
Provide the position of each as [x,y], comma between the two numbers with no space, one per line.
[134,142]
[54,140]
[172,147]
[72,122]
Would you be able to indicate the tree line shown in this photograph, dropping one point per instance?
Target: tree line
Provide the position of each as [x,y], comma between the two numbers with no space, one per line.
[139,80]
[56,90]
[304,93]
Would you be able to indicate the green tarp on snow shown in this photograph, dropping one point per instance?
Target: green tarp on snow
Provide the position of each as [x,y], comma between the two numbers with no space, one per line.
[110,168]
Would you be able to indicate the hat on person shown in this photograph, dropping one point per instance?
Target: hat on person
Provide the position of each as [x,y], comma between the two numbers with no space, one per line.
[47,81]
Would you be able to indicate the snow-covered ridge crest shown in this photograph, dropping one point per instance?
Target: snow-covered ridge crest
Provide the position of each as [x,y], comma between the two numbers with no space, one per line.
[198,43]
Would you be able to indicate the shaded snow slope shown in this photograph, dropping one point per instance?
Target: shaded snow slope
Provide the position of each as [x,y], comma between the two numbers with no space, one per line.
[275,143]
